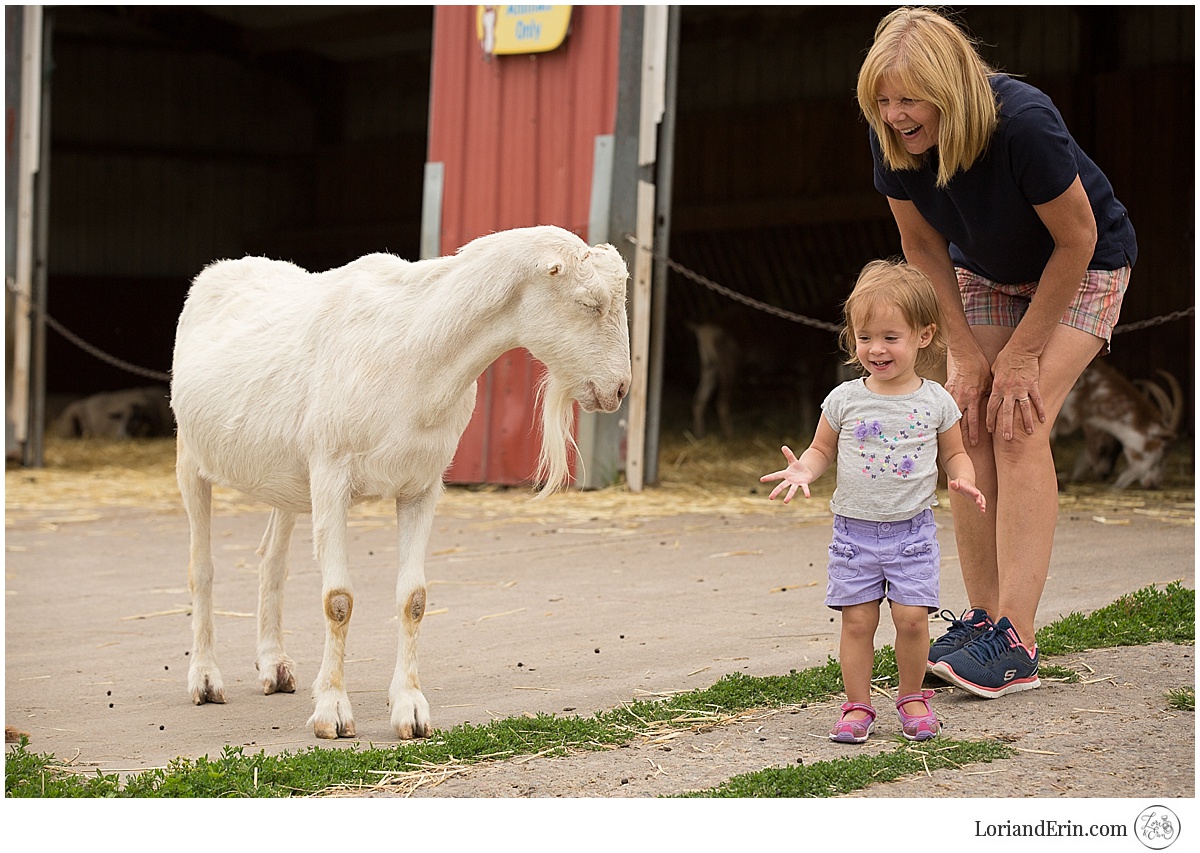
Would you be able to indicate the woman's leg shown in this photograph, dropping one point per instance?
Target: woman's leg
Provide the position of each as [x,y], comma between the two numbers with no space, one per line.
[1007,574]
[975,531]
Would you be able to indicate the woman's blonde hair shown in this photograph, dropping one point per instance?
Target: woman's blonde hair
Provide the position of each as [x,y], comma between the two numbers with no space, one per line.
[894,283]
[930,59]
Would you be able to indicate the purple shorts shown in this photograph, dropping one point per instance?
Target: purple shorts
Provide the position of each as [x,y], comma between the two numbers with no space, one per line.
[869,560]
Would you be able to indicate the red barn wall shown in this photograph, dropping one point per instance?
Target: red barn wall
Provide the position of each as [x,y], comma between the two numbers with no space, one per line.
[516,136]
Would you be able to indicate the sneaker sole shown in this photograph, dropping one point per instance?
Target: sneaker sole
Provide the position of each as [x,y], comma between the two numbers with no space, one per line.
[923,736]
[846,737]
[947,674]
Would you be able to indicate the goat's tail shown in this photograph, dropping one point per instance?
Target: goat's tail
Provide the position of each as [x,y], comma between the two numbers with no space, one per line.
[558,422]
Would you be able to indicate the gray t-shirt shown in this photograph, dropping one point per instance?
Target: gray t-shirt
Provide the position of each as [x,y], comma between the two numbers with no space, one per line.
[887,449]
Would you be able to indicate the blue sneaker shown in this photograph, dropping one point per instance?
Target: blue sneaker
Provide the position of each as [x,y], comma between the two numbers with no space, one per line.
[973,625]
[995,664]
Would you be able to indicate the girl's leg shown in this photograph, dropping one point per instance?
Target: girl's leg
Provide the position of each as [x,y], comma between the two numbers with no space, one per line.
[912,648]
[857,653]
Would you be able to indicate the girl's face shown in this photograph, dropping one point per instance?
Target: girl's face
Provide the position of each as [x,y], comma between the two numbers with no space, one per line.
[887,347]
[914,121]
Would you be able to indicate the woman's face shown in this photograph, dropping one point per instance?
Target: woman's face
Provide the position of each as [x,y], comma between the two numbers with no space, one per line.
[914,121]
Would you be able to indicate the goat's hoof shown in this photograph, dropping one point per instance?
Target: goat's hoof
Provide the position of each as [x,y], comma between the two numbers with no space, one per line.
[210,694]
[410,715]
[280,678]
[206,686]
[332,717]
[333,731]
[416,730]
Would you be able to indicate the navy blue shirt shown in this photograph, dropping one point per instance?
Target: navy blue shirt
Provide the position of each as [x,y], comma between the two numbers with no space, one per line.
[986,213]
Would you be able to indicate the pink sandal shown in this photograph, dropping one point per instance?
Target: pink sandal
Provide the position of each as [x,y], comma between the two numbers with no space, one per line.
[854,731]
[918,728]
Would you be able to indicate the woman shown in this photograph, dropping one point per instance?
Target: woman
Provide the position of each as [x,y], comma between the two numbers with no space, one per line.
[1030,253]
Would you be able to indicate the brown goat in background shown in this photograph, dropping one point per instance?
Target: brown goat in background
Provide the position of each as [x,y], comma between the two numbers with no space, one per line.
[1117,418]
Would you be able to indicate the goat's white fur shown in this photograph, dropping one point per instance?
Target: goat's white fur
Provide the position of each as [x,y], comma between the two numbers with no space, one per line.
[315,391]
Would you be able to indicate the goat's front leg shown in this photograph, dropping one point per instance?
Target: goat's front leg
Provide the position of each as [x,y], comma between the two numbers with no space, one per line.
[330,486]
[410,709]
[276,670]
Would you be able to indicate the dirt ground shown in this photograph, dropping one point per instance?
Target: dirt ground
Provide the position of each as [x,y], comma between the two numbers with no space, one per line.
[562,608]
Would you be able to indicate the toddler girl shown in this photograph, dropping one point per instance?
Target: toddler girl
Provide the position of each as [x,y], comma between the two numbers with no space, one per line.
[888,430]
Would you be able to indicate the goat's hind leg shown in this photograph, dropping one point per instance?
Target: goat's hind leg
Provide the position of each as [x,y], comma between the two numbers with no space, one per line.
[276,670]
[204,679]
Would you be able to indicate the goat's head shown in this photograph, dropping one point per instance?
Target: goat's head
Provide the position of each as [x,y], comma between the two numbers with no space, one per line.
[578,327]
[575,322]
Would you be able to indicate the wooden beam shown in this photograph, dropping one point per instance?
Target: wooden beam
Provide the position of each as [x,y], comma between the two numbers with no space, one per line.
[639,343]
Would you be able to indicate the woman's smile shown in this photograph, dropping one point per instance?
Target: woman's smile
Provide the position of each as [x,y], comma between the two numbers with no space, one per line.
[915,121]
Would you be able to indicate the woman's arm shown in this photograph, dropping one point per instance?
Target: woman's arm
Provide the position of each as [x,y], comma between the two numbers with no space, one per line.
[1070,221]
[927,250]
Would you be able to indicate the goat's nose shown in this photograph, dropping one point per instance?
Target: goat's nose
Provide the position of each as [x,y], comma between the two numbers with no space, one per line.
[622,390]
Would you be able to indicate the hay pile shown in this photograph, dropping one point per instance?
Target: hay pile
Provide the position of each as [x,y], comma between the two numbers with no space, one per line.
[709,476]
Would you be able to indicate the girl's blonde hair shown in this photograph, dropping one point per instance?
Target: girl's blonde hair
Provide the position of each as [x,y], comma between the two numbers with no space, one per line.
[894,283]
[930,59]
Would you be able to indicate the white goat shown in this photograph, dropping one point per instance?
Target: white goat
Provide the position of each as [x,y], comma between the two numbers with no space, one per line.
[315,391]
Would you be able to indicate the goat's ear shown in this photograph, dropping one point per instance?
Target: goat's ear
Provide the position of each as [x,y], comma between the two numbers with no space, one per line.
[554,268]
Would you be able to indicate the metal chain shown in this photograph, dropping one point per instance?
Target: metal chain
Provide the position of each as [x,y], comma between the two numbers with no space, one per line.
[1154,321]
[734,295]
[121,364]
[819,324]
[90,349]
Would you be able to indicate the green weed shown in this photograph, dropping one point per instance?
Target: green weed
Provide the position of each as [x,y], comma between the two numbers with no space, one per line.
[1182,699]
[1150,615]
[843,775]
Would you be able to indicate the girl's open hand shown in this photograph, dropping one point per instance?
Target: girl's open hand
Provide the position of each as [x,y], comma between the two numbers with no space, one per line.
[968,489]
[797,475]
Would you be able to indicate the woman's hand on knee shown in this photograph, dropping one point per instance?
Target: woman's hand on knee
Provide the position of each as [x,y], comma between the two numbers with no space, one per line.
[1015,395]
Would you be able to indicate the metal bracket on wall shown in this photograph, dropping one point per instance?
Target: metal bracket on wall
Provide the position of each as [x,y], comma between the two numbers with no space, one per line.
[431,210]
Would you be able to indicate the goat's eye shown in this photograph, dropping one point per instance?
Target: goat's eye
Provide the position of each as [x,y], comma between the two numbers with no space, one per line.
[593,307]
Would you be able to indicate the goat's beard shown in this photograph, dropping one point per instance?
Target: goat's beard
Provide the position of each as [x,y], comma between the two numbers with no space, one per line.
[558,422]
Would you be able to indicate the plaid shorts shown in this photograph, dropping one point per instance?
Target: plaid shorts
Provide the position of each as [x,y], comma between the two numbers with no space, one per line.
[1095,309]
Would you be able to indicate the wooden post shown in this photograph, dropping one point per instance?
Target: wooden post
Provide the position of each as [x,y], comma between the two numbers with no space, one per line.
[639,339]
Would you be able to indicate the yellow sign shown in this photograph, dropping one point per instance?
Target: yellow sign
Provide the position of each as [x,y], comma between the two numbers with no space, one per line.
[521,29]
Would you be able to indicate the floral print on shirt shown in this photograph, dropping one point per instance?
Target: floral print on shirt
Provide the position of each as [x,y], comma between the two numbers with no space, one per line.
[894,454]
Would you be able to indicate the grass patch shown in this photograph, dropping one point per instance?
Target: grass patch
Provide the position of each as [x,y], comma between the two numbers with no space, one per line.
[1053,672]
[1148,615]
[1183,699]
[843,775]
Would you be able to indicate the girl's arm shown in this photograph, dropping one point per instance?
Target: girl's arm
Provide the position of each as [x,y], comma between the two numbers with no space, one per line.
[812,463]
[960,471]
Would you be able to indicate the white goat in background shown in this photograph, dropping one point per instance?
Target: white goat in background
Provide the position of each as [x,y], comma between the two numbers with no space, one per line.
[315,391]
